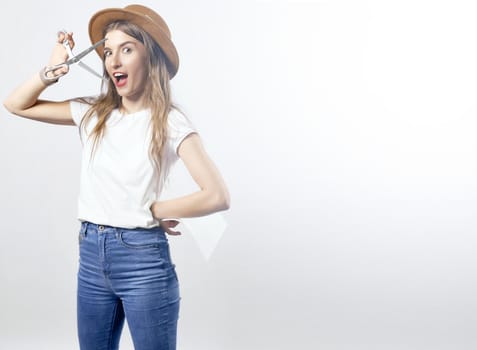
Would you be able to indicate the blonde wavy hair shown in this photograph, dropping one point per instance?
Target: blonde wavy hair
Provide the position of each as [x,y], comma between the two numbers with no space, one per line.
[157,92]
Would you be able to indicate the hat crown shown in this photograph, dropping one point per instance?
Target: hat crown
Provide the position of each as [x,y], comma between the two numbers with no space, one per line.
[149,15]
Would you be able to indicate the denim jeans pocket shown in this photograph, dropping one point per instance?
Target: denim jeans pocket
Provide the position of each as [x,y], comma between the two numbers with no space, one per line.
[141,238]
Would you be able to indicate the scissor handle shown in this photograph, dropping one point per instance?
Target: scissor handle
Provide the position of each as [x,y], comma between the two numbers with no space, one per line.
[52,69]
[72,59]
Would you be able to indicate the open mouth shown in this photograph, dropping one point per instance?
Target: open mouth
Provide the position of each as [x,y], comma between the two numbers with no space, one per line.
[120,78]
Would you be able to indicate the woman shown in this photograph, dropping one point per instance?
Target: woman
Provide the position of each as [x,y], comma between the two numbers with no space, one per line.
[131,135]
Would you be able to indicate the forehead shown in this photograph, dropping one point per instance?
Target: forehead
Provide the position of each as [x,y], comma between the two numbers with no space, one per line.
[117,37]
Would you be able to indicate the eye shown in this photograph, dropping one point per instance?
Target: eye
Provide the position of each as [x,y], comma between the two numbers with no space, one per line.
[106,53]
[127,49]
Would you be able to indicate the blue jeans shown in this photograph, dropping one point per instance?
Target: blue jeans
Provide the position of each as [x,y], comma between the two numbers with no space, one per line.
[126,274]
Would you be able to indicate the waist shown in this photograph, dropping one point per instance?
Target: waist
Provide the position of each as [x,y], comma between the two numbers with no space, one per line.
[104,229]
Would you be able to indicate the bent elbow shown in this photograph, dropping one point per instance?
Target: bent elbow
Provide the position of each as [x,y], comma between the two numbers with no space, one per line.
[219,201]
[227,202]
[7,106]
[224,200]
[10,107]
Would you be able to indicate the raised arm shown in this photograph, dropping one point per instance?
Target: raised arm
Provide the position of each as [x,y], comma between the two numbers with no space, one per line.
[24,102]
[213,195]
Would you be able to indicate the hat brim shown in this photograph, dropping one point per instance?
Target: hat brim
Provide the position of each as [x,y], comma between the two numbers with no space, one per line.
[104,17]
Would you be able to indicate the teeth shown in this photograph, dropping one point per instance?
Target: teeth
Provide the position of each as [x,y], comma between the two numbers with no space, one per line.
[119,76]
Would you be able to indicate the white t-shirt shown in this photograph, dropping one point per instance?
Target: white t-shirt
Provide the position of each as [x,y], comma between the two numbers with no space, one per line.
[120,182]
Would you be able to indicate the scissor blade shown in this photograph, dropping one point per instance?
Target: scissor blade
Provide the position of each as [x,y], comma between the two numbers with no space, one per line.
[85,52]
[89,69]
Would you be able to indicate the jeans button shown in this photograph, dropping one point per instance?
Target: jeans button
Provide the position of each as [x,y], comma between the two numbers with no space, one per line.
[101,227]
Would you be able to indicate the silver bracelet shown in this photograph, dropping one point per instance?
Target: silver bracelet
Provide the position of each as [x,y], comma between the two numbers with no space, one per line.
[47,80]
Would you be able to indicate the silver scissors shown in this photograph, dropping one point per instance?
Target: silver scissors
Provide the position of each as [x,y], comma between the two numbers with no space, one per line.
[72,60]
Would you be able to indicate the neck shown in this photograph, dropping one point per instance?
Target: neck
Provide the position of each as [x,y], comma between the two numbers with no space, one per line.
[129,106]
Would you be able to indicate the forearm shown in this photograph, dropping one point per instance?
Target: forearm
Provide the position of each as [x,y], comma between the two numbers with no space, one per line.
[25,96]
[199,203]
[24,101]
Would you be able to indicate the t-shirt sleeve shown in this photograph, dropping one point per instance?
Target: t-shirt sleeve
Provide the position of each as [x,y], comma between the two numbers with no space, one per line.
[179,128]
[78,108]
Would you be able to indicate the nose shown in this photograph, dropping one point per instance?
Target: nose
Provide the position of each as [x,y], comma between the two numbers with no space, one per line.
[114,61]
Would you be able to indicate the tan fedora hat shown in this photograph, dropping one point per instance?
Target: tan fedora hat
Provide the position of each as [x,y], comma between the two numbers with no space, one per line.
[143,17]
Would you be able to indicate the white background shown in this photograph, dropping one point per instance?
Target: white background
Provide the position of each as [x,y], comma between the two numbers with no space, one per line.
[345,132]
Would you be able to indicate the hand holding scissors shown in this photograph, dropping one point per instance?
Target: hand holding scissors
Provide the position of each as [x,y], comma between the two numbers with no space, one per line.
[62,68]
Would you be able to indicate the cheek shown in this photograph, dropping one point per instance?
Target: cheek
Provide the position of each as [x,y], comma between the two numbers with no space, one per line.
[142,73]
[107,67]
[146,73]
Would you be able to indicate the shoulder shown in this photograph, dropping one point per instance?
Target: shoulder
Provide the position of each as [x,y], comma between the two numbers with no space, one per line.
[79,106]
[177,120]
[179,127]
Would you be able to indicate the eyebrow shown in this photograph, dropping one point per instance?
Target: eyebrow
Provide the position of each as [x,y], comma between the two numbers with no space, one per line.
[122,44]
